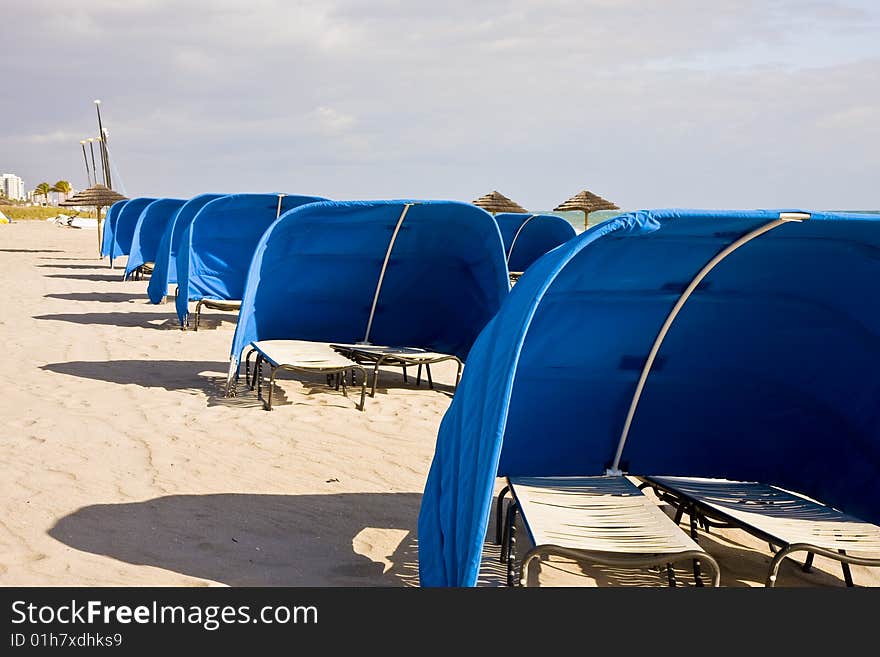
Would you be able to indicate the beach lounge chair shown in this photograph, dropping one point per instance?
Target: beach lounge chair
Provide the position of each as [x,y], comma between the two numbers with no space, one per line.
[605,520]
[228,305]
[789,522]
[403,357]
[301,356]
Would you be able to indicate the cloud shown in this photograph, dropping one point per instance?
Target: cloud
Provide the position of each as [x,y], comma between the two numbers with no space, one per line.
[331,121]
[682,102]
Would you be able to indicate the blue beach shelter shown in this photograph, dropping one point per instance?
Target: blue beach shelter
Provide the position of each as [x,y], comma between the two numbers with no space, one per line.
[123,228]
[739,345]
[148,231]
[215,250]
[529,236]
[427,274]
[165,265]
[109,227]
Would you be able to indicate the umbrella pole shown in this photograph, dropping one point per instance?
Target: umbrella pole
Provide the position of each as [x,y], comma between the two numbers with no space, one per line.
[100,231]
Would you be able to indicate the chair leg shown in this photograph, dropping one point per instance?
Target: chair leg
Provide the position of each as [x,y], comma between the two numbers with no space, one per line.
[428,371]
[510,543]
[499,511]
[419,376]
[457,377]
[808,562]
[670,575]
[679,512]
[505,533]
[404,374]
[375,379]
[847,572]
[257,379]
[247,368]
[198,316]
[340,377]
[698,580]
[363,387]
[268,406]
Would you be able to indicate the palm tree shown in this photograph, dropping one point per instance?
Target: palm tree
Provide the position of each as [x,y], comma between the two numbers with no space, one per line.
[43,189]
[62,187]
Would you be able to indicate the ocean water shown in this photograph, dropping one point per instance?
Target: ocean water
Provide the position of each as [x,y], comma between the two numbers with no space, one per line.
[576,218]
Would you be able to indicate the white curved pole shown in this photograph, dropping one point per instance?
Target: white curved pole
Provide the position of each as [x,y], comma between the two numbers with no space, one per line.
[406,208]
[658,341]
[516,237]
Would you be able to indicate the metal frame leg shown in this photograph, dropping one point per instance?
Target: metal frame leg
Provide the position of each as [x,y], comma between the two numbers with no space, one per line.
[510,542]
[258,375]
[670,575]
[247,368]
[198,315]
[428,371]
[692,513]
[457,376]
[268,406]
[375,378]
[363,385]
[499,511]
[419,376]
[847,573]
[808,562]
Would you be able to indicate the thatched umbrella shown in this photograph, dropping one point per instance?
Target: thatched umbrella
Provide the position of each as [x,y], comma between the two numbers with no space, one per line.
[99,196]
[586,202]
[498,202]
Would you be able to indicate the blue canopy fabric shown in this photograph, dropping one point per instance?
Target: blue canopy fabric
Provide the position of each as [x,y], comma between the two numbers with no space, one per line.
[768,372]
[123,227]
[148,231]
[529,236]
[109,226]
[216,249]
[165,265]
[316,271]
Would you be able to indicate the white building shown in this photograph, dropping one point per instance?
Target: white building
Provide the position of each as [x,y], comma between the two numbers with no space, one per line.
[12,186]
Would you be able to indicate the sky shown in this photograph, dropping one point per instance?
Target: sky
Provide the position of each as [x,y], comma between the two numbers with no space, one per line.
[681,103]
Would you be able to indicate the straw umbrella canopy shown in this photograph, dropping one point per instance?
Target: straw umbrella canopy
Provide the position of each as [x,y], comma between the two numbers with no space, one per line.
[586,202]
[498,202]
[99,196]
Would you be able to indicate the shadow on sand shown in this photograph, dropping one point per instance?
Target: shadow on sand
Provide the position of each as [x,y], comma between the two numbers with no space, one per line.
[67,266]
[167,374]
[258,540]
[209,378]
[104,297]
[112,276]
[31,251]
[153,320]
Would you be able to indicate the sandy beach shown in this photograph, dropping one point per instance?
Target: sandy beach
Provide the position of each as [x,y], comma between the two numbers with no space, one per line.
[124,464]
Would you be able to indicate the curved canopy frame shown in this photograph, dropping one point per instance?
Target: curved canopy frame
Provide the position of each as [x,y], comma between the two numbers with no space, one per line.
[529,236]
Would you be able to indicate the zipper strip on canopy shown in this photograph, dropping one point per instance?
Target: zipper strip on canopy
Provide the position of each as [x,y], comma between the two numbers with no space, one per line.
[515,237]
[658,341]
[406,208]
